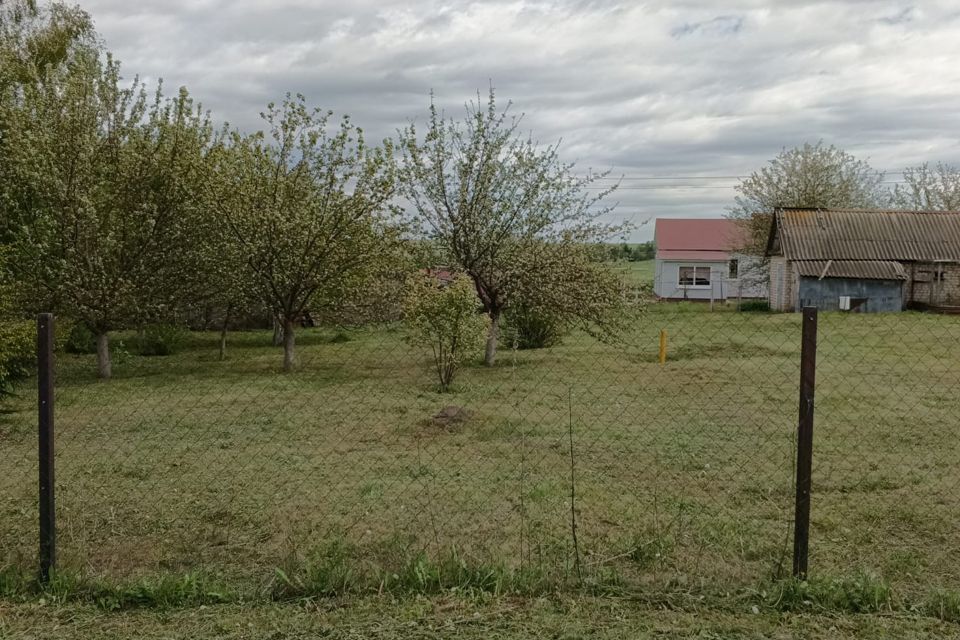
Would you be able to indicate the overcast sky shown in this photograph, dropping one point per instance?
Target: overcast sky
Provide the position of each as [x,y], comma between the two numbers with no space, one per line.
[677,90]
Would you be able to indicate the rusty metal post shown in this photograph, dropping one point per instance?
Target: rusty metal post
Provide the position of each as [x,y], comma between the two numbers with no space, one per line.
[48,527]
[808,371]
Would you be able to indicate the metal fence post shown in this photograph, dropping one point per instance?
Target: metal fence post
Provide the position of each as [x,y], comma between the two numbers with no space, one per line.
[48,527]
[808,371]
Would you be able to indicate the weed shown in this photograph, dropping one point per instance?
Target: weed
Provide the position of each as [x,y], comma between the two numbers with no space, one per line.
[863,593]
[944,604]
[338,570]
[158,592]
[13,582]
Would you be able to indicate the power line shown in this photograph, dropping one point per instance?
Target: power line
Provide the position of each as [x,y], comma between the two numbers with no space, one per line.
[664,187]
[623,178]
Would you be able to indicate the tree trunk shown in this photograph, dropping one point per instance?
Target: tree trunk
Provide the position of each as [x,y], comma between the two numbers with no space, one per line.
[288,345]
[103,356]
[492,336]
[277,332]
[223,334]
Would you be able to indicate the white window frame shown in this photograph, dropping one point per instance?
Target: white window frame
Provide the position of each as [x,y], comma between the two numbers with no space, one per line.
[695,268]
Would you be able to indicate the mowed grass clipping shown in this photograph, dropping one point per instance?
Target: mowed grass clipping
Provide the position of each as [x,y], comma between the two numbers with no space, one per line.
[682,475]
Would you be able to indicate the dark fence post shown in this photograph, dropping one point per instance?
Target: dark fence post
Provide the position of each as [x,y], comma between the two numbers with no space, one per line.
[48,526]
[808,372]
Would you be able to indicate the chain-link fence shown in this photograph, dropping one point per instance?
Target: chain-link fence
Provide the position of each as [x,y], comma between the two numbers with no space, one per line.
[584,453]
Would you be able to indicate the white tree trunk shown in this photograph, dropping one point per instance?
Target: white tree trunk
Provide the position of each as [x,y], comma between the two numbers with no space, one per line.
[277,332]
[288,346]
[223,334]
[103,356]
[492,336]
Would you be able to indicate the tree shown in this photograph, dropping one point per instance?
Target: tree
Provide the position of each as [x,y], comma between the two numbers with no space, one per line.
[107,178]
[813,175]
[446,319]
[929,188]
[17,337]
[36,44]
[307,208]
[643,251]
[503,208]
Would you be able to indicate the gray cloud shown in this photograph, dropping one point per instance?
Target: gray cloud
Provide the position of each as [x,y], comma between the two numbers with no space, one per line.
[648,90]
[719,26]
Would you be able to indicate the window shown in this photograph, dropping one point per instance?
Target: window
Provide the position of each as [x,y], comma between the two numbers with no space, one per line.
[734,269]
[694,277]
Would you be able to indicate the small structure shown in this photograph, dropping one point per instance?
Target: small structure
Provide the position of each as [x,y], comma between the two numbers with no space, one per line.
[864,260]
[441,274]
[699,259]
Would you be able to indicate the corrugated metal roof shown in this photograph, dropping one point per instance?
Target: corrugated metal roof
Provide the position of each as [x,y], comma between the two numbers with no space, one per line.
[706,256]
[867,234]
[699,234]
[861,269]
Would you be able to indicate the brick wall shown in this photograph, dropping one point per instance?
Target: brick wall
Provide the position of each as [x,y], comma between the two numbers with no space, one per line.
[934,283]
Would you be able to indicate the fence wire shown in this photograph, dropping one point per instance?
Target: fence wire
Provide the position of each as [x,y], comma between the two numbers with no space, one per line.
[678,474]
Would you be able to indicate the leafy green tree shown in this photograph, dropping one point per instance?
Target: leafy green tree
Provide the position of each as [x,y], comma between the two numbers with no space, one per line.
[569,286]
[812,175]
[36,44]
[16,336]
[307,207]
[107,178]
[505,210]
[643,251]
[927,188]
[447,319]
[17,359]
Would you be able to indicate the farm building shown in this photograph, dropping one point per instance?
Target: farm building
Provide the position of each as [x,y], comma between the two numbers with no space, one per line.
[864,260]
[697,259]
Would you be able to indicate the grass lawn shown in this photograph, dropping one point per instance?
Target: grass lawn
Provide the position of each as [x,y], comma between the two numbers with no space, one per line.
[557,617]
[340,476]
[641,272]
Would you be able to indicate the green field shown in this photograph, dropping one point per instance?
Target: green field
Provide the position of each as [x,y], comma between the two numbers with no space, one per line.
[340,475]
[638,273]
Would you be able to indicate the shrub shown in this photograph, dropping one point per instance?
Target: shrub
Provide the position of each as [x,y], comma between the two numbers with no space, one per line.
[17,353]
[447,319]
[81,340]
[529,328]
[160,340]
[754,305]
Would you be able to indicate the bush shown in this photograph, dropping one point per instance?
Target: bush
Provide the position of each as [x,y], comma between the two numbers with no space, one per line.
[754,305]
[160,340]
[527,328]
[80,340]
[447,319]
[17,353]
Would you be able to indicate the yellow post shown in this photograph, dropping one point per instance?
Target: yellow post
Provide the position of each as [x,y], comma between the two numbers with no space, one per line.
[663,346]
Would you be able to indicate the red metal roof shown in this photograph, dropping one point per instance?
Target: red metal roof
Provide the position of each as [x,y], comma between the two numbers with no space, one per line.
[709,256]
[718,235]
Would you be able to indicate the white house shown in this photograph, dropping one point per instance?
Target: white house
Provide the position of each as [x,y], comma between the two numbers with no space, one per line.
[697,259]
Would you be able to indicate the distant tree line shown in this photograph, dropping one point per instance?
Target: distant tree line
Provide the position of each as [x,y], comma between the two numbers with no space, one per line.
[632,252]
